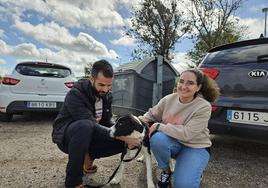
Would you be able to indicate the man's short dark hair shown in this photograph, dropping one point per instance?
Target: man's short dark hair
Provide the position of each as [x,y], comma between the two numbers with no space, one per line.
[102,66]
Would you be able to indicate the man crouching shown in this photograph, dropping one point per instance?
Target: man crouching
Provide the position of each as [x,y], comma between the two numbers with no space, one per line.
[81,128]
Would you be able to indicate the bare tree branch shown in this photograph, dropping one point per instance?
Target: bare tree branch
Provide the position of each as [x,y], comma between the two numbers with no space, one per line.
[157,26]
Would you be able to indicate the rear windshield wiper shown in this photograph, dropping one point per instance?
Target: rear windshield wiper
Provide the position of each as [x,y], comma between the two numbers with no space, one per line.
[49,74]
[265,60]
[241,63]
[262,58]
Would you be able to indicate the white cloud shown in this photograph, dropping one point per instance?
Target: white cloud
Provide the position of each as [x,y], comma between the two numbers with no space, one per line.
[130,4]
[4,48]
[93,13]
[87,44]
[181,61]
[29,52]
[14,9]
[255,27]
[124,41]
[96,14]
[57,37]
[48,33]
[128,22]
[26,50]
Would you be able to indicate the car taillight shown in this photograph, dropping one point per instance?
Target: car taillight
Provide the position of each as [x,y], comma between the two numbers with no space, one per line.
[212,73]
[10,81]
[69,84]
[214,108]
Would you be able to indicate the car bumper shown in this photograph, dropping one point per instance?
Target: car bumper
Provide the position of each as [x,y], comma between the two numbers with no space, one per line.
[246,131]
[17,103]
[21,106]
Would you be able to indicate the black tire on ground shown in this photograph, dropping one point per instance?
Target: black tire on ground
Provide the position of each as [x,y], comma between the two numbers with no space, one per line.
[5,117]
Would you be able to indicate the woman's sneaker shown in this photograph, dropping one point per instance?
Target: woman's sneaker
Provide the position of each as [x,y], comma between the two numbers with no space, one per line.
[164,181]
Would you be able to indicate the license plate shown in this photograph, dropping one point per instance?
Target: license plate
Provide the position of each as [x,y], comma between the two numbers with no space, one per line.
[41,104]
[248,117]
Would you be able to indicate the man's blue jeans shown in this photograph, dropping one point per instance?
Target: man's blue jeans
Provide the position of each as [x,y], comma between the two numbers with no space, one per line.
[190,162]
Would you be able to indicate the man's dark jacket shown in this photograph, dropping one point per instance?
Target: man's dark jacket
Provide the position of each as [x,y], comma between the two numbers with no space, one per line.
[79,104]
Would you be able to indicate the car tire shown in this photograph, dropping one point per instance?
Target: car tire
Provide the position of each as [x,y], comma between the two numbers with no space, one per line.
[5,117]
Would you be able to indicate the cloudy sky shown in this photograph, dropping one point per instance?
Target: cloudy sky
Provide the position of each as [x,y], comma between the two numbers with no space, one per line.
[74,33]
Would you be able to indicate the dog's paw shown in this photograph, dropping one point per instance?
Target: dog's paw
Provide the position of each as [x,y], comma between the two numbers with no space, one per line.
[115,181]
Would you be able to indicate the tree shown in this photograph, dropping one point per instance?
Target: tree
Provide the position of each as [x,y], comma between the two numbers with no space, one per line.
[231,33]
[157,26]
[214,24]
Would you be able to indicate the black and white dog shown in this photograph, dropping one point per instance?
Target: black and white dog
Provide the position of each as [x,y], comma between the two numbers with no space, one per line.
[132,126]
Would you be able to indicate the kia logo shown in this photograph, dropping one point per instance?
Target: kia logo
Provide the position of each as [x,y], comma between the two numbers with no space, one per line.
[258,73]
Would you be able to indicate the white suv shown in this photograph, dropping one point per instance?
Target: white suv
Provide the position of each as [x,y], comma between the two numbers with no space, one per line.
[34,86]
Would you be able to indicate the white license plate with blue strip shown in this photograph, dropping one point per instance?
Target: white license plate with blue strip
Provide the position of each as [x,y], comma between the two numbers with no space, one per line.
[41,104]
[248,117]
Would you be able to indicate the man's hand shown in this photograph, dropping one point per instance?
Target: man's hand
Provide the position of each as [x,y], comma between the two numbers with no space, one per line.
[131,142]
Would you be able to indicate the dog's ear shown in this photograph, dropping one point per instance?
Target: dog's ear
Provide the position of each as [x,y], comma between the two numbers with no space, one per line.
[123,126]
[138,127]
[144,123]
[137,123]
[116,118]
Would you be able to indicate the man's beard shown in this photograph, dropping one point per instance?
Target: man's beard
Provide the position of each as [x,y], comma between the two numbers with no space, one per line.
[102,94]
[98,93]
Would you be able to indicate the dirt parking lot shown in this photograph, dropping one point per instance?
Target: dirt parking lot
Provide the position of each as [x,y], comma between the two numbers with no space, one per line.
[28,158]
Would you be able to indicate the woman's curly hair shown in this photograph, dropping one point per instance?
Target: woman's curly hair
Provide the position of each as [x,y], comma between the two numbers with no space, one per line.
[209,88]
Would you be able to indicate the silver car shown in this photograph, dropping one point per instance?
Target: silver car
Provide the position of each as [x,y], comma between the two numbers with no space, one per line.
[34,86]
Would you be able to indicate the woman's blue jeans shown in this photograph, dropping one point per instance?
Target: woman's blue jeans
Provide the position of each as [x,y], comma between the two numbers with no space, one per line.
[190,162]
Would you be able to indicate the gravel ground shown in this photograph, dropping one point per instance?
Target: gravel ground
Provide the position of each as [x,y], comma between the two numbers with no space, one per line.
[28,158]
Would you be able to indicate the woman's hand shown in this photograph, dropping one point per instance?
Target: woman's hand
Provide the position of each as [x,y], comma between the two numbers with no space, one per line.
[153,128]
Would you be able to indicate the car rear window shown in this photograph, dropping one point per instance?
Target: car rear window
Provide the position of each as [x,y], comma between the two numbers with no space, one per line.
[239,55]
[43,70]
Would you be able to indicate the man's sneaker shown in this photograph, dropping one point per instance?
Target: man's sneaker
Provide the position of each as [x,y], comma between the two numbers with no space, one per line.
[164,181]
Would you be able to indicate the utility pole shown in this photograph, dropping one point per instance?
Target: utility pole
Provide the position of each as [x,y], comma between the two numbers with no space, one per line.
[265,13]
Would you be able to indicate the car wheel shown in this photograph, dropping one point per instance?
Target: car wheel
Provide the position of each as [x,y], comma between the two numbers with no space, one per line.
[5,117]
